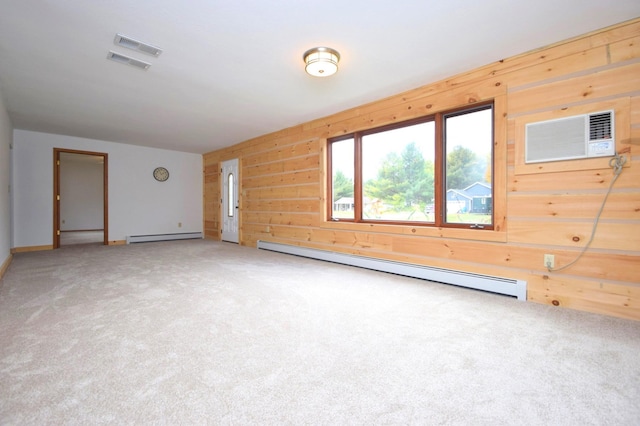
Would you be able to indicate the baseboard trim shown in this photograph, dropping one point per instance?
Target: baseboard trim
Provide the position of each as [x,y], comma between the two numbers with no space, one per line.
[132,239]
[5,265]
[31,248]
[117,242]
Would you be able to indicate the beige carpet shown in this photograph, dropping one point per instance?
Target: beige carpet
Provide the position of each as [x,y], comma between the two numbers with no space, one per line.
[199,332]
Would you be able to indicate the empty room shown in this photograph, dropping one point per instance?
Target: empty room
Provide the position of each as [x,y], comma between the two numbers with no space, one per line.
[342,213]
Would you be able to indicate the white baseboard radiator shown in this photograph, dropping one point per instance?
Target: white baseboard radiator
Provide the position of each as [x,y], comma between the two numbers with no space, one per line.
[131,239]
[506,286]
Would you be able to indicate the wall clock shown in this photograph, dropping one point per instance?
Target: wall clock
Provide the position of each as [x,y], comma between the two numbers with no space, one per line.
[161,174]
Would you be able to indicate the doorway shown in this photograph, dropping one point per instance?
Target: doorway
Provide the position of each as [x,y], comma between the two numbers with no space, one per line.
[80,197]
[230,202]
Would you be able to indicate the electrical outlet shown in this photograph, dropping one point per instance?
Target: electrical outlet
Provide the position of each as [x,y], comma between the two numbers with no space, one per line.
[179,224]
[549,261]
[267,229]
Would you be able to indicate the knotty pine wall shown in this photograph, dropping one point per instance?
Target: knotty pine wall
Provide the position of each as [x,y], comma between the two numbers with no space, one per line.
[541,208]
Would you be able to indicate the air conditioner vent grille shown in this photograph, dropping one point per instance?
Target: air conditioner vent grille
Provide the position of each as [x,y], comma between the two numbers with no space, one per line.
[600,126]
[557,139]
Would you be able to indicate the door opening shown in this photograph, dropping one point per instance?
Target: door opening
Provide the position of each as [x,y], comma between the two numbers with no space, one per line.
[80,197]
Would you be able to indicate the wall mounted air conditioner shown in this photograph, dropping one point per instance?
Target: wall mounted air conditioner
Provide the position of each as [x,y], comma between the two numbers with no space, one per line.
[580,136]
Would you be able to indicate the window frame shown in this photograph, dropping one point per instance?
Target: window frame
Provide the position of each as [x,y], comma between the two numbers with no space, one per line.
[438,119]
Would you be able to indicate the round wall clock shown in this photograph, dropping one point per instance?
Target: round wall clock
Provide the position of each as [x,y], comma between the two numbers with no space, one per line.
[161,174]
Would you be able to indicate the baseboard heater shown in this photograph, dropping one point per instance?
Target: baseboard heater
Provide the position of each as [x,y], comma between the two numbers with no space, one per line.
[506,286]
[131,239]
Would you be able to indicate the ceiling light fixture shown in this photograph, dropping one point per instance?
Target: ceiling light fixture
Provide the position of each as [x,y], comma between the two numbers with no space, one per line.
[321,61]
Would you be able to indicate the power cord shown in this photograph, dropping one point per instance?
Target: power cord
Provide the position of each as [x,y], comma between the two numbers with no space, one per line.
[617,163]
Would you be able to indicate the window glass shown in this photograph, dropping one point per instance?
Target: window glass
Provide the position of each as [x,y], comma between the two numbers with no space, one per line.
[231,201]
[342,187]
[468,164]
[433,171]
[398,174]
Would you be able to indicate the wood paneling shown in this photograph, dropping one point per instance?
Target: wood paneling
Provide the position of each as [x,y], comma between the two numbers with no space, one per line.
[282,179]
[211,197]
[539,209]
[594,296]
[574,233]
[625,50]
[584,181]
[296,150]
[558,68]
[293,206]
[293,219]
[621,205]
[294,164]
[618,81]
[305,191]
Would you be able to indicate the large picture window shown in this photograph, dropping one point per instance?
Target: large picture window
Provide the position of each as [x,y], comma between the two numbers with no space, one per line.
[433,171]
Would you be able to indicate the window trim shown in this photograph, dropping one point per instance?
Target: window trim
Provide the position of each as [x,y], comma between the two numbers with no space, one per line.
[439,171]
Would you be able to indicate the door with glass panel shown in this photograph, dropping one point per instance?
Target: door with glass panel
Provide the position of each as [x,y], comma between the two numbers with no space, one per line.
[230,211]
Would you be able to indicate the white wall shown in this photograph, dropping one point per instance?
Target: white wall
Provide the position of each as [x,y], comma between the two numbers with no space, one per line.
[138,204]
[6,134]
[81,194]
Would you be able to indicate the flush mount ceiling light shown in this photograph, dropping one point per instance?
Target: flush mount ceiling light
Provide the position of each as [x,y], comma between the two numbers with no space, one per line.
[321,61]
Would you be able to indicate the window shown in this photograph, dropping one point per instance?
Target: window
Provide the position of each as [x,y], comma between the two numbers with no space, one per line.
[342,179]
[432,171]
[231,195]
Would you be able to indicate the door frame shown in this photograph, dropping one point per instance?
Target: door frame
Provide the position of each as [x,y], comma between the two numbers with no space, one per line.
[234,164]
[56,192]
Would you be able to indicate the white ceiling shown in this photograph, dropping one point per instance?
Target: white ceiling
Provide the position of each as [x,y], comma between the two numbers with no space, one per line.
[233,70]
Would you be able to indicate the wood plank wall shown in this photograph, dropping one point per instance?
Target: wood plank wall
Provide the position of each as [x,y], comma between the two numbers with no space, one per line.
[542,208]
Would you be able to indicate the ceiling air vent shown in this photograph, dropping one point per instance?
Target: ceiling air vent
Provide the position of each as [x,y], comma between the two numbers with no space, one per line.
[127,60]
[130,43]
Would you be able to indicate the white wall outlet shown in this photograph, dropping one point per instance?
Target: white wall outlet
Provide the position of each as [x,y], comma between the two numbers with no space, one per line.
[549,261]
